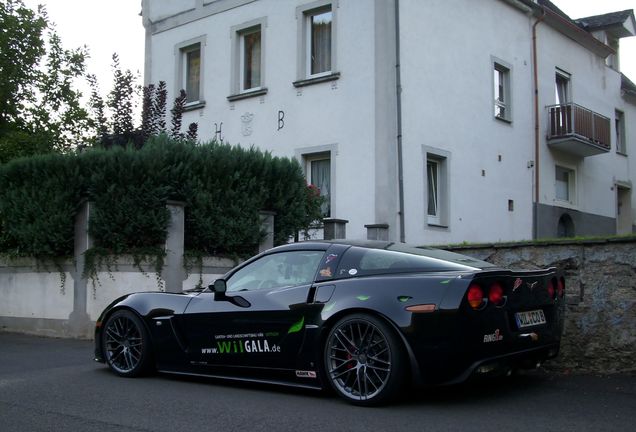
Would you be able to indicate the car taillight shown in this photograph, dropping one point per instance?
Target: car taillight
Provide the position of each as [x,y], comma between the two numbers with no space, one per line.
[475,296]
[496,294]
[561,287]
[551,288]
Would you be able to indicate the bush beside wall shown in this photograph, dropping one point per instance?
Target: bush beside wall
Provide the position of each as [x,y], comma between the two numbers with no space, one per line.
[223,188]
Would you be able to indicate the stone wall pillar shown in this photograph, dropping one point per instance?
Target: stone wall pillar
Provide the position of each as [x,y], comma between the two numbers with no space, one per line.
[267,225]
[377,232]
[335,228]
[79,323]
[173,272]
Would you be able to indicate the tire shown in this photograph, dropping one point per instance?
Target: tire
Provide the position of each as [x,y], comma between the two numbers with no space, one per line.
[126,344]
[363,360]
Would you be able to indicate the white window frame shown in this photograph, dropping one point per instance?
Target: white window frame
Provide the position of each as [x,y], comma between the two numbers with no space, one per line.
[572,185]
[505,71]
[237,36]
[303,17]
[242,57]
[619,132]
[317,157]
[434,166]
[309,48]
[181,51]
[567,77]
[441,159]
[306,155]
[186,72]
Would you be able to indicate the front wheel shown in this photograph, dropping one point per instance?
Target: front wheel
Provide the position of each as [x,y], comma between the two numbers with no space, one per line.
[363,360]
[126,344]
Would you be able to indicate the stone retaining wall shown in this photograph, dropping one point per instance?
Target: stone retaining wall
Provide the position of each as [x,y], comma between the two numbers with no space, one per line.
[600,328]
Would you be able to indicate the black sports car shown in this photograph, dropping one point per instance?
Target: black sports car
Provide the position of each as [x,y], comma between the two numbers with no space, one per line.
[364,318]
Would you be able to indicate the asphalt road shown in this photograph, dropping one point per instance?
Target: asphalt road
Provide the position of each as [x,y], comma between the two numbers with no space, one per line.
[53,385]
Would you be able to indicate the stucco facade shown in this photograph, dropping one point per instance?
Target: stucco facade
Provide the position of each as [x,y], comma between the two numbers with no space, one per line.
[406,102]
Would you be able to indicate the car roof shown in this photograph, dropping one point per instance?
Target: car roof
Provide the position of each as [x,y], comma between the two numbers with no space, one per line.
[391,246]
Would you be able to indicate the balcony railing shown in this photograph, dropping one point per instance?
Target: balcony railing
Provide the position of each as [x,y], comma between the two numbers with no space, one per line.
[578,130]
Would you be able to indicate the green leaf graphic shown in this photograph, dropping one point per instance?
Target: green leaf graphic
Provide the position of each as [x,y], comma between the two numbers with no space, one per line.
[445,281]
[404,298]
[363,297]
[295,328]
[329,307]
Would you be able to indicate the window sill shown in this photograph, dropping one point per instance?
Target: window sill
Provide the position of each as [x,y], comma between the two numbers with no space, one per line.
[437,225]
[317,80]
[565,204]
[621,153]
[503,119]
[248,94]
[194,106]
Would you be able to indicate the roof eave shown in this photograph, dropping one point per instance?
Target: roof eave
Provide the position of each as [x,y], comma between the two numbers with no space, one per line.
[575,33]
[620,28]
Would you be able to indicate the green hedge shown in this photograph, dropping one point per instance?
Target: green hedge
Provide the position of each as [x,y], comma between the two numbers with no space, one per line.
[38,201]
[223,188]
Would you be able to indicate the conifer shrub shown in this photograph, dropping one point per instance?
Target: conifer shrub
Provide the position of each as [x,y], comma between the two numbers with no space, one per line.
[223,188]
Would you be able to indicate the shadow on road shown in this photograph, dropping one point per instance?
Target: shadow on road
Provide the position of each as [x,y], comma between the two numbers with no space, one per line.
[484,390]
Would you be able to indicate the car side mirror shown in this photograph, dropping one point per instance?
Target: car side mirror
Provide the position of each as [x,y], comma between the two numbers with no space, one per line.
[220,286]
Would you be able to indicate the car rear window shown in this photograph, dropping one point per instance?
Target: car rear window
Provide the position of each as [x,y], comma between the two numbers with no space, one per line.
[359,261]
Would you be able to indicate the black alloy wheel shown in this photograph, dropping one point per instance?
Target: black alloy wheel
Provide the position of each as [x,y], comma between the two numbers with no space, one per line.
[126,344]
[363,360]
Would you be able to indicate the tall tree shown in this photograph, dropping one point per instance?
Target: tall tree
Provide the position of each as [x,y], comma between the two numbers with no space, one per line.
[121,99]
[177,115]
[39,104]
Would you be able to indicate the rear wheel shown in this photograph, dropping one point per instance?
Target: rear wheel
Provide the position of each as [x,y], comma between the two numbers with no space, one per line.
[363,360]
[126,344]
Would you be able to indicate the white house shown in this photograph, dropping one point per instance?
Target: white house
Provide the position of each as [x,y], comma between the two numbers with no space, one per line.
[436,121]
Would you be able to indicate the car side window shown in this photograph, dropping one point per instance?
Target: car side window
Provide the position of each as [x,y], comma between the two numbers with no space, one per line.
[364,262]
[283,269]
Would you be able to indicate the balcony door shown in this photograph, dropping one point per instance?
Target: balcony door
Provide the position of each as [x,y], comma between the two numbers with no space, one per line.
[562,88]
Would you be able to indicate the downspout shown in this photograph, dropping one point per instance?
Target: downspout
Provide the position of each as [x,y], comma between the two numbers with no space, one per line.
[536,124]
[145,19]
[398,91]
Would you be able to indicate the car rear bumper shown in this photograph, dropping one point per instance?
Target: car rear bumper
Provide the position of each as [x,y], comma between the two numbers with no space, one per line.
[501,364]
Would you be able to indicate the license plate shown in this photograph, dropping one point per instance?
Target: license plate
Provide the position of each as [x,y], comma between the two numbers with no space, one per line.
[530,318]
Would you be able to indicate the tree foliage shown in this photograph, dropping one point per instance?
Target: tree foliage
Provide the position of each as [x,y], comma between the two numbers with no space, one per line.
[120,130]
[40,110]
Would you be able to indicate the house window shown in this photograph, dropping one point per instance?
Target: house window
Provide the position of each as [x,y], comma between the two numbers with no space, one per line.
[562,87]
[250,59]
[318,172]
[192,72]
[317,23]
[619,122]
[501,82]
[319,40]
[190,56]
[436,189]
[432,177]
[565,184]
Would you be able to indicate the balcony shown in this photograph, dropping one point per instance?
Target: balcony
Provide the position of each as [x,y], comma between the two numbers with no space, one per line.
[578,131]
